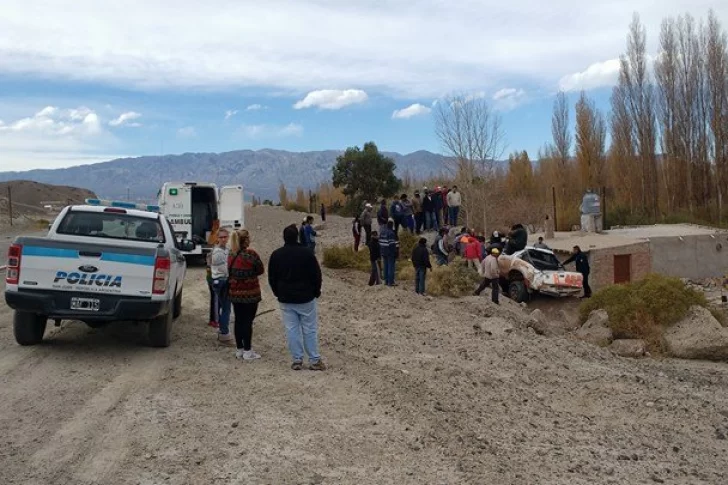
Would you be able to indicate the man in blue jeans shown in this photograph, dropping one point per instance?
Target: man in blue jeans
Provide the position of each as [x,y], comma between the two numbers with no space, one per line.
[389,246]
[294,276]
[421,262]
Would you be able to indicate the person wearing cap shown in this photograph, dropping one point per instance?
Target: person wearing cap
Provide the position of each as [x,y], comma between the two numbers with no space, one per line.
[366,222]
[491,274]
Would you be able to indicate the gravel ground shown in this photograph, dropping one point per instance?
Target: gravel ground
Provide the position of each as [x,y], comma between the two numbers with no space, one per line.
[419,390]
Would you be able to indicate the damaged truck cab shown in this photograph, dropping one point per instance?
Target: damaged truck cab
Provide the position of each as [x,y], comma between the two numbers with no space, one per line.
[534,270]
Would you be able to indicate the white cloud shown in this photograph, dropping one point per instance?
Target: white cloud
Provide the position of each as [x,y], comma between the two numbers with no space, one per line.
[440,51]
[126,119]
[54,137]
[187,132]
[271,131]
[508,98]
[410,111]
[255,107]
[230,113]
[331,99]
[597,75]
[506,93]
[52,122]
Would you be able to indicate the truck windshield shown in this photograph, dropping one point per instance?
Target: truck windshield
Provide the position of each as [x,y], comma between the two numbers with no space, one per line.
[543,260]
[111,225]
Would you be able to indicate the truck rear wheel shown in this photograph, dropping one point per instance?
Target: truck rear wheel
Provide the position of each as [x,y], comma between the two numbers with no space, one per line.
[29,328]
[160,330]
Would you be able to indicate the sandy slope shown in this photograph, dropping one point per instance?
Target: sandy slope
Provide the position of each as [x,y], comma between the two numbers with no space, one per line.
[414,394]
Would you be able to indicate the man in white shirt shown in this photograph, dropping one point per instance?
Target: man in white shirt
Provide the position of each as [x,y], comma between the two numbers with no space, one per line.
[491,273]
[454,200]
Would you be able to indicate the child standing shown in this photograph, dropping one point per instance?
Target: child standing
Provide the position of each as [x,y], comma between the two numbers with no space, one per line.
[421,262]
[375,256]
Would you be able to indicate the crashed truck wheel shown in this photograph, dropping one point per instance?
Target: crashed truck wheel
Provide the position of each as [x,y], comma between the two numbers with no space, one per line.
[517,291]
[29,328]
[160,330]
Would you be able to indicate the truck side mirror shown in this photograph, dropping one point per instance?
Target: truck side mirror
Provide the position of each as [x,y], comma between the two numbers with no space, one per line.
[187,245]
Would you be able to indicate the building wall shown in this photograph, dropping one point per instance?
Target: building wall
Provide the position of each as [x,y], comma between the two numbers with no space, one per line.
[692,257]
[601,262]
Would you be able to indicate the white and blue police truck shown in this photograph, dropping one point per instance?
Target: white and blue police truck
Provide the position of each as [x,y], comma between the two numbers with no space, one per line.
[100,262]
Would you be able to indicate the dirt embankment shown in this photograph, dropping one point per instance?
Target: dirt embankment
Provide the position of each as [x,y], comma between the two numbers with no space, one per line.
[419,390]
[29,197]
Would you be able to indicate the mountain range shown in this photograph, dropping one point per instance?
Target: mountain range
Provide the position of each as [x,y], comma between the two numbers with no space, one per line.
[260,172]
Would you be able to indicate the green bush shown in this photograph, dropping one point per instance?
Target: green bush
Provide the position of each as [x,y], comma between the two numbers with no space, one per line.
[642,309]
[344,257]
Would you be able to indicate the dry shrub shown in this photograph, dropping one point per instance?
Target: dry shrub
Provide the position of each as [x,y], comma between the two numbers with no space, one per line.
[341,257]
[454,279]
[407,243]
[644,308]
[405,271]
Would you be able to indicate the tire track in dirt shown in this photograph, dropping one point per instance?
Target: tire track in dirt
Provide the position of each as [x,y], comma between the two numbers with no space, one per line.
[94,441]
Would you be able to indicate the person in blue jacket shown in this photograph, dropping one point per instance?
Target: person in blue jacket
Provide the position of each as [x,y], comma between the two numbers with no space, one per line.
[389,245]
[310,234]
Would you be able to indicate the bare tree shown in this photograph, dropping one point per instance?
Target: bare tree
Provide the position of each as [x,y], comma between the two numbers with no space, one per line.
[675,162]
[622,157]
[638,93]
[470,132]
[716,66]
[560,129]
[591,134]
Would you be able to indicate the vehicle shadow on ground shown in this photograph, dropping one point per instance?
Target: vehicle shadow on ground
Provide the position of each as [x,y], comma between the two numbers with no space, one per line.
[119,336]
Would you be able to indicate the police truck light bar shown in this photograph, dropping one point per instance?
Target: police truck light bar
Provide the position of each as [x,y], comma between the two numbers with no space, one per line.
[123,204]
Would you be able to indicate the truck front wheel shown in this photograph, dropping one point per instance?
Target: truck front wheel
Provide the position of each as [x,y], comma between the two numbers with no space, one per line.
[160,330]
[517,291]
[29,327]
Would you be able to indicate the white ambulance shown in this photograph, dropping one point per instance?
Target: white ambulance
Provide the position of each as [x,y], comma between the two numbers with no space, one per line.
[193,208]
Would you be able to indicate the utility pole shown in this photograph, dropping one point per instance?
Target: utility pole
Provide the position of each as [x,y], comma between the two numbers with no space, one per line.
[127,193]
[10,205]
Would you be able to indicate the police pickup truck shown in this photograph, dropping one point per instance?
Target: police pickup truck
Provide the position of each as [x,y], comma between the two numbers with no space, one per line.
[100,262]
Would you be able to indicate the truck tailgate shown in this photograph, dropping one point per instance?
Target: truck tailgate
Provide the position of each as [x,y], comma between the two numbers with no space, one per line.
[86,268]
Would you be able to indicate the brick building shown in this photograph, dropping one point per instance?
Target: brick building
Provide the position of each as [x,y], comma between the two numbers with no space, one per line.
[626,254]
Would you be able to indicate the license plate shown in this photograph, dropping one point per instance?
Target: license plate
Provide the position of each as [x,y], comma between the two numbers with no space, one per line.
[87,304]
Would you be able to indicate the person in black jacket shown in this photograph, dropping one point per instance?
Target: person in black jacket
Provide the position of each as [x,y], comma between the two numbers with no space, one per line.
[294,275]
[517,239]
[421,262]
[582,266]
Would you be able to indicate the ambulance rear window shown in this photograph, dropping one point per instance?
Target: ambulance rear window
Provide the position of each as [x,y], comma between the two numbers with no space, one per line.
[111,225]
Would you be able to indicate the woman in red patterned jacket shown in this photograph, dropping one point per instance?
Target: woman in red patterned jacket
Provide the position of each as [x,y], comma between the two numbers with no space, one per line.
[244,291]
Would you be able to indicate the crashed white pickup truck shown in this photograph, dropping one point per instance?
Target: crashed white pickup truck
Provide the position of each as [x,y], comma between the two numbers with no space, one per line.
[534,270]
[97,264]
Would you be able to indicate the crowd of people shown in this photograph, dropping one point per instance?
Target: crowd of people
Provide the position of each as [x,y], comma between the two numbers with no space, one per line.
[294,276]
[438,211]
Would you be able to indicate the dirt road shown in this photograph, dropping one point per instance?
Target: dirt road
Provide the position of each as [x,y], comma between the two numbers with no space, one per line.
[414,394]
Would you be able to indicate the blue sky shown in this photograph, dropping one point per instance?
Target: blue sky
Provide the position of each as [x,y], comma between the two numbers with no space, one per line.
[87,82]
